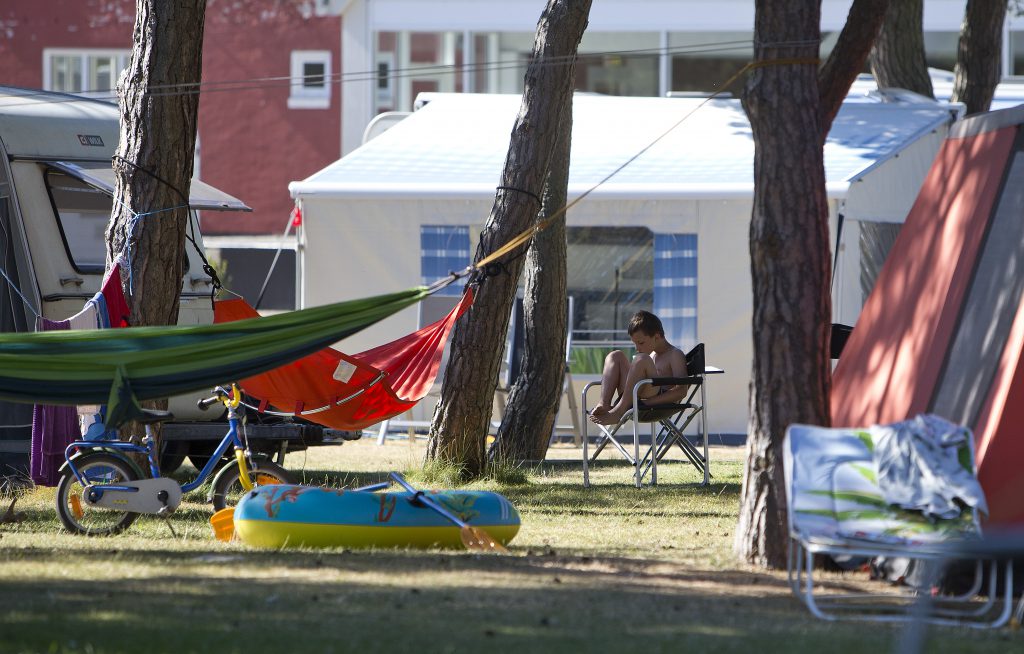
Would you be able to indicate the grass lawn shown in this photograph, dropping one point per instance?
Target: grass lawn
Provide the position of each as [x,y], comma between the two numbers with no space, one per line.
[605,569]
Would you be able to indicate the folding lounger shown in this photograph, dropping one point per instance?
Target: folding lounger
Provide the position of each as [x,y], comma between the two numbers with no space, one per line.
[668,422]
[838,508]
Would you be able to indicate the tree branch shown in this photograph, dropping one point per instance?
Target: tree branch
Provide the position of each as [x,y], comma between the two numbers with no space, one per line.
[848,57]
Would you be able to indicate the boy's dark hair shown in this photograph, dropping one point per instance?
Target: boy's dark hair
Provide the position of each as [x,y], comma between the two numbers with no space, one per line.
[646,322]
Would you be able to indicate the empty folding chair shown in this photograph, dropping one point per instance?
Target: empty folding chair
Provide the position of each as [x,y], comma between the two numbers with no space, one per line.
[840,502]
[668,423]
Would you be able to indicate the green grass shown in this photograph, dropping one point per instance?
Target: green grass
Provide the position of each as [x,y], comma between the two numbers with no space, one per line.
[605,569]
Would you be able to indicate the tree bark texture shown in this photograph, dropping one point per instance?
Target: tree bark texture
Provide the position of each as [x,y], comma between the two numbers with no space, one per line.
[159,101]
[898,58]
[525,431]
[978,54]
[847,58]
[789,252]
[462,416]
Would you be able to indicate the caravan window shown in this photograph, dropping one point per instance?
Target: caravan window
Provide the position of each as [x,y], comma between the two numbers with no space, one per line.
[82,214]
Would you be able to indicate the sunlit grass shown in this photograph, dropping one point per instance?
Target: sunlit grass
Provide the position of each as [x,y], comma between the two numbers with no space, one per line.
[606,568]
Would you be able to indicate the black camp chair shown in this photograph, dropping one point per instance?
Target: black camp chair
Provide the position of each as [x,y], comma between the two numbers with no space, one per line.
[668,423]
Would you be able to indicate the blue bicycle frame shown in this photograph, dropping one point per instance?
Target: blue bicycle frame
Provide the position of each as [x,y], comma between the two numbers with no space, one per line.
[231,438]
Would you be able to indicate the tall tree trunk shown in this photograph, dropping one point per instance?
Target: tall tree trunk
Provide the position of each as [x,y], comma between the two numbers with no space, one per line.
[525,431]
[898,58]
[978,54]
[159,102]
[788,237]
[463,414]
[789,252]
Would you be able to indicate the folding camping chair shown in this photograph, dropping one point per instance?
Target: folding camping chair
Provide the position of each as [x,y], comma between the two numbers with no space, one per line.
[668,423]
[837,508]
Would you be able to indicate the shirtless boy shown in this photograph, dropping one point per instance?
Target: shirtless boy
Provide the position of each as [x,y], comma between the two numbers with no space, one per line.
[655,357]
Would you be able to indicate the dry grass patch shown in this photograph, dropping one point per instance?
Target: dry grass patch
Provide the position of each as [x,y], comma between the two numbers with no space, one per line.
[610,568]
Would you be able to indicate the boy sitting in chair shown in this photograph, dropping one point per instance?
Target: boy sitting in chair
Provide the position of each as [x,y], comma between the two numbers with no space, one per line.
[655,357]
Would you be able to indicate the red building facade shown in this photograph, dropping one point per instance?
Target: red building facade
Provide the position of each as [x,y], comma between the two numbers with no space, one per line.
[270,109]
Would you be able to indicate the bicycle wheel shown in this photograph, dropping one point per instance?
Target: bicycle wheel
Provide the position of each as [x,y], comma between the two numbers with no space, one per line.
[75,513]
[227,488]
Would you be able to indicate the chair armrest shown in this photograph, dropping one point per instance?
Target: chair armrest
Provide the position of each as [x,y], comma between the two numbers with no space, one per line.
[674,381]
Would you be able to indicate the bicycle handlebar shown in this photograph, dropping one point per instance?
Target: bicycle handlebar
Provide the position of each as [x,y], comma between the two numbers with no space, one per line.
[219,395]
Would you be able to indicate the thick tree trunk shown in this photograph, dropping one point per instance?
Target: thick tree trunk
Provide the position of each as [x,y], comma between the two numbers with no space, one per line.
[525,431]
[978,64]
[789,251]
[846,60]
[463,414]
[897,60]
[159,101]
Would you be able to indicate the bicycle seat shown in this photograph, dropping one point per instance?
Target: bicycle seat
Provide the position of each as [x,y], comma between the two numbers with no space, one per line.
[151,416]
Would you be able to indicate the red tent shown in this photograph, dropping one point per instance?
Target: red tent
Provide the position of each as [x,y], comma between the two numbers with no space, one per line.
[943,330]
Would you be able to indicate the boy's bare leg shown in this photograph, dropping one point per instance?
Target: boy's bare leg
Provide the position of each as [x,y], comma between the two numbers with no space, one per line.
[642,367]
[613,380]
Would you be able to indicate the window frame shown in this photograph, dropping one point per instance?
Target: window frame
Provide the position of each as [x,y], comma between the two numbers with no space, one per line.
[79,267]
[306,97]
[86,56]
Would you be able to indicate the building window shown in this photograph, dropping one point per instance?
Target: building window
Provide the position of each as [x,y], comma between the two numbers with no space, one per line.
[85,72]
[443,248]
[310,80]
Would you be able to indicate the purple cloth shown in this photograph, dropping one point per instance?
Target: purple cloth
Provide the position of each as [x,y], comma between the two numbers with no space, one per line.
[53,428]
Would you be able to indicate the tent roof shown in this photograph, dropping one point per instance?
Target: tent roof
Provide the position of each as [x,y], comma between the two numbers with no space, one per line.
[455,146]
[943,329]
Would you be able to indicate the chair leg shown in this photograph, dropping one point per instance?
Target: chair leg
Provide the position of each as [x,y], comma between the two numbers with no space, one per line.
[586,441]
[704,432]
[636,452]
[654,454]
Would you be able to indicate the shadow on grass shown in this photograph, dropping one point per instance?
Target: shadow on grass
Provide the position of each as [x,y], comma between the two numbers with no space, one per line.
[397,601]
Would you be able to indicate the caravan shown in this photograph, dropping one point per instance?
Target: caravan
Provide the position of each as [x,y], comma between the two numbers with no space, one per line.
[56,189]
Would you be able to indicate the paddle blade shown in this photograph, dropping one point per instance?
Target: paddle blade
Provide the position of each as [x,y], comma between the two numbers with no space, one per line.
[223,523]
[478,540]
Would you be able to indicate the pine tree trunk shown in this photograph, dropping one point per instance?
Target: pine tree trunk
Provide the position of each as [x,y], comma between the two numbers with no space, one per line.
[525,431]
[897,60]
[462,416]
[978,64]
[159,102]
[789,251]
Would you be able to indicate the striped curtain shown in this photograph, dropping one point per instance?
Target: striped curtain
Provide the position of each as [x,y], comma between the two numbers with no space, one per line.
[675,287]
[443,248]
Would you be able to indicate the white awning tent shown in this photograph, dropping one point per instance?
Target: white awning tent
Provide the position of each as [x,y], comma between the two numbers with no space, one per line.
[440,166]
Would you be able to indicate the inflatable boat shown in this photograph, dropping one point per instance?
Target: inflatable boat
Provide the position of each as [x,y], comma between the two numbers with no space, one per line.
[280,515]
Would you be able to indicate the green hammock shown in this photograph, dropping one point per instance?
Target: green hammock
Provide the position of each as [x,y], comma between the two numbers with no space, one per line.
[120,367]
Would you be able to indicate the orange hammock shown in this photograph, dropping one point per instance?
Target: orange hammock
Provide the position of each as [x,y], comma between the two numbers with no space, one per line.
[351,392]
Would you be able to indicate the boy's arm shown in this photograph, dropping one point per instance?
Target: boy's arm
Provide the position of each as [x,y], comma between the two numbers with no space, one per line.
[672,394]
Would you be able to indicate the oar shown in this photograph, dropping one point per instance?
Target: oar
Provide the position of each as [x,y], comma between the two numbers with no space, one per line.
[474,538]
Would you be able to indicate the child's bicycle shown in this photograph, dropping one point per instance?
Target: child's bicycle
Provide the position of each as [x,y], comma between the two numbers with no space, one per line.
[102,490]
